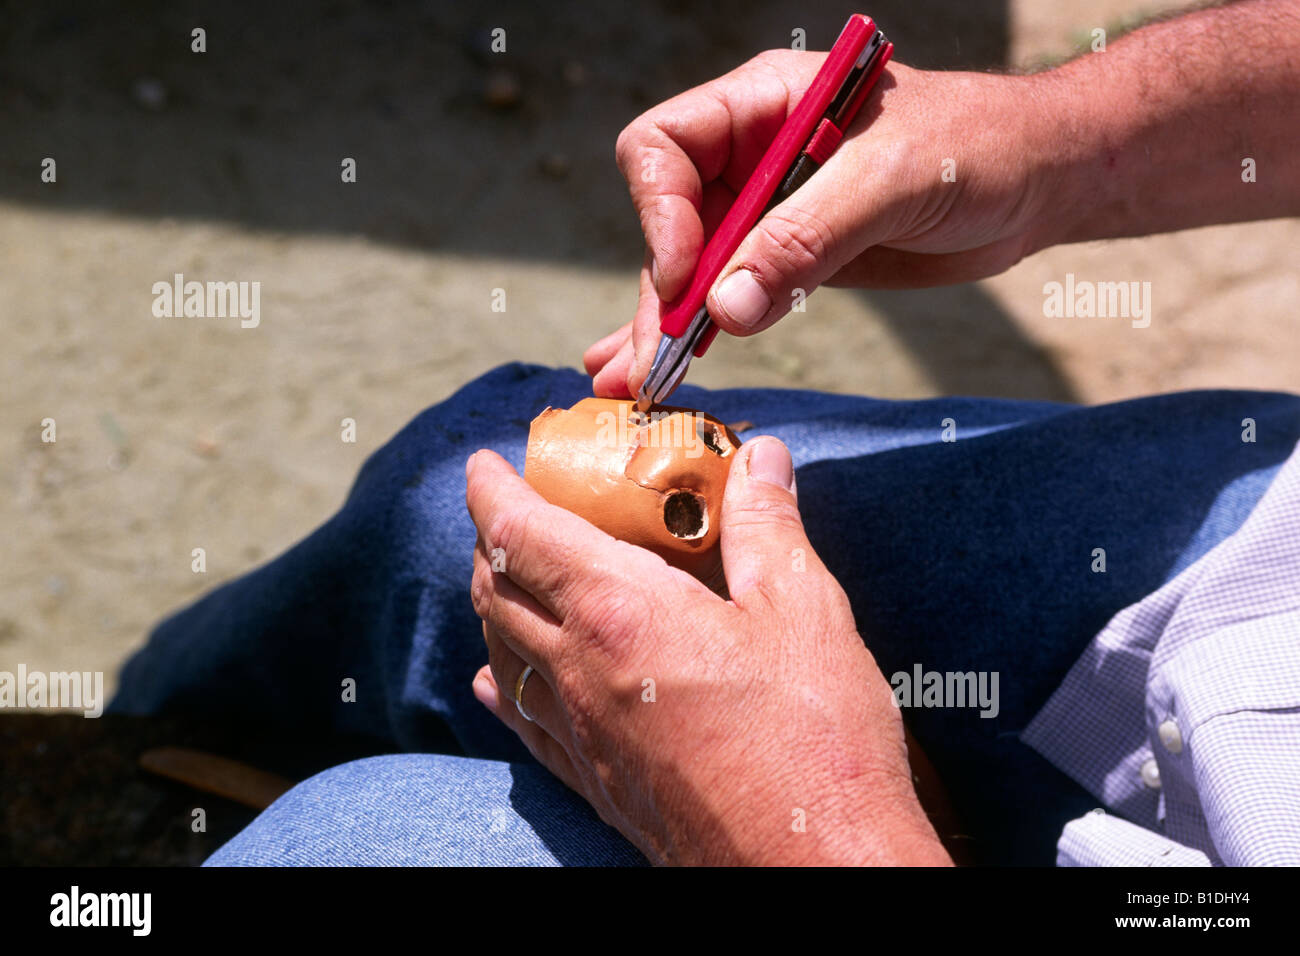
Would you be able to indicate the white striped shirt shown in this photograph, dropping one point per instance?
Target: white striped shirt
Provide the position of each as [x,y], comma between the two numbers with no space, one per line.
[1183,715]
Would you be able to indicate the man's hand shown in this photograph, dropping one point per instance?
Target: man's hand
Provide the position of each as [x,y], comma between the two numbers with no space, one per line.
[934,184]
[754,730]
[950,177]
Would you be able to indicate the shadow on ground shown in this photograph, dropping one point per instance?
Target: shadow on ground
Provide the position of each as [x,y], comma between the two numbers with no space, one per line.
[458,149]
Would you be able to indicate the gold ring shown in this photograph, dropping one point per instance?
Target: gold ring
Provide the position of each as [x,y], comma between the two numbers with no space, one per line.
[519,692]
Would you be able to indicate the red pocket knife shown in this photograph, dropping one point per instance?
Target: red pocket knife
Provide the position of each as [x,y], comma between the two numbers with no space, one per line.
[804,143]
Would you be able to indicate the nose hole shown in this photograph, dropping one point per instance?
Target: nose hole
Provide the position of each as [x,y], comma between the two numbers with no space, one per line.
[685,516]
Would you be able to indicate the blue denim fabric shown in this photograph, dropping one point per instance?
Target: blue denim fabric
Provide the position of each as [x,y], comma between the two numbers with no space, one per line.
[423,809]
[966,555]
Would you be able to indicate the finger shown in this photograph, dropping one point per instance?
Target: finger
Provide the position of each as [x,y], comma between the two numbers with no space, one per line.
[614,380]
[597,356]
[618,379]
[674,234]
[570,567]
[645,337]
[766,556]
[548,751]
[667,190]
[718,130]
[617,345]
[718,198]
[795,247]
[532,630]
[507,662]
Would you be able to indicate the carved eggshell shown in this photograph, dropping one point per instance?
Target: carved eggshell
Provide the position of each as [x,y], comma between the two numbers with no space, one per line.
[653,480]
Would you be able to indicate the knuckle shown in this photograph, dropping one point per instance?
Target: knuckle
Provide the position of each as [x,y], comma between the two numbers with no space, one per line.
[474,489]
[769,513]
[625,145]
[631,147]
[607,616]
[653,216]
[513,530]
[804,238]
[576,700]
[604,774]
[774,60]
[481,587]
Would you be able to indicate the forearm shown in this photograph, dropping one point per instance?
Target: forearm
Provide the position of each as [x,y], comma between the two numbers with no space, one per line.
[1153,134]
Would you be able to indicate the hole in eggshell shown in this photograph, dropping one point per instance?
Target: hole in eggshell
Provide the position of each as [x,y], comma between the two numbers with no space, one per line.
[714,438]
[685,516]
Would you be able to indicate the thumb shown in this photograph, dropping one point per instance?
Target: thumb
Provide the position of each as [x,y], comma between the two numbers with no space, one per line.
[793,249]
[764,547]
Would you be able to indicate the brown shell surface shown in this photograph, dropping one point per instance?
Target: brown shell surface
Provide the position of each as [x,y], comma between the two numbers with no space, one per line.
[655,481]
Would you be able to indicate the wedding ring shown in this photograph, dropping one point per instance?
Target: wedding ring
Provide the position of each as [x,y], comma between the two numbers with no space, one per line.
[519,692]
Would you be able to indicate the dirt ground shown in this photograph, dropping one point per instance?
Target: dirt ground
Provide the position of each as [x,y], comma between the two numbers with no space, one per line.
[475,172]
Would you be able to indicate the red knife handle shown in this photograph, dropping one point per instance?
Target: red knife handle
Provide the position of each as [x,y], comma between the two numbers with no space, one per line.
[753,200]
[824,142]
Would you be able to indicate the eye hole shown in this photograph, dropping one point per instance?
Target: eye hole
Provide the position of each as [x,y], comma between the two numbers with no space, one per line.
[714,438]
[685,516]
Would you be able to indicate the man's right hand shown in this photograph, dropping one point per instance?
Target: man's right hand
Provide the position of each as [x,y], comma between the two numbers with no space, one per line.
[1162,130]
[881,213]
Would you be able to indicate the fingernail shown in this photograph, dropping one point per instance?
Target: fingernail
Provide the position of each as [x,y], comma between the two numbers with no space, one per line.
[770,461]
[486,692]
[743,299]
[469,464]
[654,275]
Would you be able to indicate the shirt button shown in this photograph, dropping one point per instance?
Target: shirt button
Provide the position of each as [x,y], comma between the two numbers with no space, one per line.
[1151,774]
[1171,736]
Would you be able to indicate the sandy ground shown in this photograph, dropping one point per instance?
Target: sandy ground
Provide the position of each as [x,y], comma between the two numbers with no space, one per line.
[176,434]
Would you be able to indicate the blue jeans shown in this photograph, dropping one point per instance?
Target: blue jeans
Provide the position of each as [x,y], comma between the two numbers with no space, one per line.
[968,555]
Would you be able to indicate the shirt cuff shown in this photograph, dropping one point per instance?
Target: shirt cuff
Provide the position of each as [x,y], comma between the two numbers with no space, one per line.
[1099,839]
